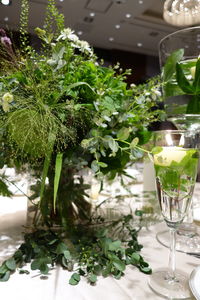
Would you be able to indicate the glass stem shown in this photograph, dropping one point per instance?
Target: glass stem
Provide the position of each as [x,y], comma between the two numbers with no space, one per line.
[172,258]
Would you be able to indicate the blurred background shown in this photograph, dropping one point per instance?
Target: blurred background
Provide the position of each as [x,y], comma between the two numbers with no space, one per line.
[125,31]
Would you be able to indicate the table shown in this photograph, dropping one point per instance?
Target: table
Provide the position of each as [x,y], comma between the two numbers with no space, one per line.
[133,286]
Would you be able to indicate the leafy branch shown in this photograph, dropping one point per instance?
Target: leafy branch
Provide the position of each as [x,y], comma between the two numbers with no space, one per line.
[89,253]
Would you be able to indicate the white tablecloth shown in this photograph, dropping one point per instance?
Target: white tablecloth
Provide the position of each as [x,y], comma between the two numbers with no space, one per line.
[133,286]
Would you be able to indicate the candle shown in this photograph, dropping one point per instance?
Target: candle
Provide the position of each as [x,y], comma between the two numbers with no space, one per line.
[168,154]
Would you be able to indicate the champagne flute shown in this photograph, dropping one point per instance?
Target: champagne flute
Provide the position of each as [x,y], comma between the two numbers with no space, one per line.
[175,158]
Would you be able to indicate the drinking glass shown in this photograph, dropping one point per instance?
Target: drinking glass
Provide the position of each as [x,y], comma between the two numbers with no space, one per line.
[188,39]
[178,109]
[175,158]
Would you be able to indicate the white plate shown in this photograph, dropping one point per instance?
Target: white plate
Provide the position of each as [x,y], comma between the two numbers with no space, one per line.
[194,282]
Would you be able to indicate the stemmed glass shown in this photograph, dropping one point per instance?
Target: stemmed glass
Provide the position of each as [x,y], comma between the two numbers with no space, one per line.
[175,158]
[176,105]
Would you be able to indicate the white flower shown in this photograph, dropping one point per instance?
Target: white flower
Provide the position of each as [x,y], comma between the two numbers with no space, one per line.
[68,34]
[85,47]
[157,93]
[132,85]
[7,97]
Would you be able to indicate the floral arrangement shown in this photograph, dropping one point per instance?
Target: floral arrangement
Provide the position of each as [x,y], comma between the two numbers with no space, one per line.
[63,112]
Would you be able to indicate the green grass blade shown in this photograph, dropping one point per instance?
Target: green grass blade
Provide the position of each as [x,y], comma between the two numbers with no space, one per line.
[58,168]
[44,174]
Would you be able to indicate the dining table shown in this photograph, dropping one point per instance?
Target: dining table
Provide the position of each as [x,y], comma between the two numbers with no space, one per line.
[54,286]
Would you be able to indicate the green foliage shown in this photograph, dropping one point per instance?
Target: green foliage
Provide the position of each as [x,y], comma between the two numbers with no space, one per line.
[94,251]
[177,177]
[64,101]
[178,79]
[4,190]
[53,19]
[24,24]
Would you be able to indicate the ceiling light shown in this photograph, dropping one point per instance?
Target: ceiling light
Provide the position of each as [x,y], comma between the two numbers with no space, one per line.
[140,2]
[6,19]
[117,26]
[5,2]
[92,14]
[139,44]
[128,16]
[182,12]
[111,39]
[79,32]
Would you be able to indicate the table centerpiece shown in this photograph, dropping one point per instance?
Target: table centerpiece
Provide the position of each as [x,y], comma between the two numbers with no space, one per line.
[62,113]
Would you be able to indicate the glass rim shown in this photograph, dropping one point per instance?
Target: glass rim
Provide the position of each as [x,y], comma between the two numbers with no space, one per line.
[173,131]
[183,115]
[177,32]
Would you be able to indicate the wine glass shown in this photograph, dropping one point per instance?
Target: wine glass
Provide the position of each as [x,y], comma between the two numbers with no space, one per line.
[175,158]
[178,108]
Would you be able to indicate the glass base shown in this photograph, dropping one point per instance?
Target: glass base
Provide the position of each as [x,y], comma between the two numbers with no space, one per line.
[161,283]
[186,241]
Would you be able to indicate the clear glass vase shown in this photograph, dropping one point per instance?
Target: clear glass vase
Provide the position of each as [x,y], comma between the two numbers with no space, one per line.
[185,48]
[183,109]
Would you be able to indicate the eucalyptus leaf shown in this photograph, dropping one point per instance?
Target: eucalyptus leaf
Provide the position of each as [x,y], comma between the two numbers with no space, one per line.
[123,133]
[61,248]
[134,143]
[92,278]
[5,276]
[119,265]
[11,264]
[114,246]
[75,278]
[113,145]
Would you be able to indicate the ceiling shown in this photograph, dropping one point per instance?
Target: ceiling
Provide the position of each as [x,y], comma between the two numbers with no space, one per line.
[130,25]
